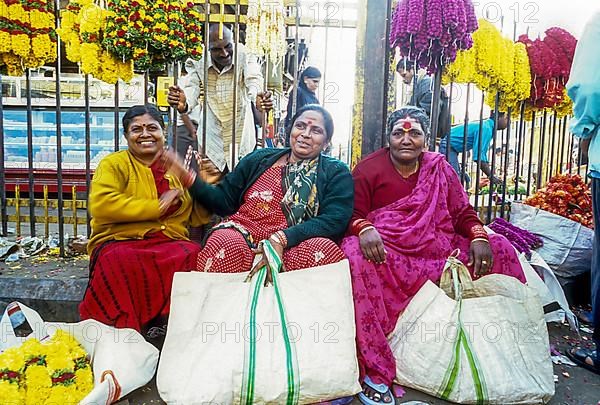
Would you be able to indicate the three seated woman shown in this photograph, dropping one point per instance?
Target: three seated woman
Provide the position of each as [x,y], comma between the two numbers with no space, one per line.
[403,211]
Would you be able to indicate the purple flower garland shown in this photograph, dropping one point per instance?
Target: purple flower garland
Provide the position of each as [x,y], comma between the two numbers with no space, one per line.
[432,31]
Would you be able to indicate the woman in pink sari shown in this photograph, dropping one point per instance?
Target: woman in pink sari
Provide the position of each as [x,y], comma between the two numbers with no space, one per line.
[410,213]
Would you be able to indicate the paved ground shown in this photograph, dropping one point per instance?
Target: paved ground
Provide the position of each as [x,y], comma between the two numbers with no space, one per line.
[54,287]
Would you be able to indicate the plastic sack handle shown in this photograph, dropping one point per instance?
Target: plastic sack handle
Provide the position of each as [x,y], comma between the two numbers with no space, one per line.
[8,338]
[456,279]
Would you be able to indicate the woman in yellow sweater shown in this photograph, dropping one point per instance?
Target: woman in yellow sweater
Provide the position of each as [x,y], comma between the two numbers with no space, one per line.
[140,215]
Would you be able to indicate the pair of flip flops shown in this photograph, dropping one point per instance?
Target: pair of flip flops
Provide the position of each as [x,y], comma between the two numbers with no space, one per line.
[382,392]
[579,356]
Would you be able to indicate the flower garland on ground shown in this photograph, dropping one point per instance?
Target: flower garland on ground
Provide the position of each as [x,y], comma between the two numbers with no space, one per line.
[550,62]
[265,29]
[153,33]
[493,64]
[565,195]
[82,30]
[432,31]
[521,239]
[56,372]
[27,35]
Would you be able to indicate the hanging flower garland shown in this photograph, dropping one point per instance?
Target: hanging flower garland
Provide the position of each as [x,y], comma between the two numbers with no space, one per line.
[56,372]
[550,62]
[494,64]
[82,30]
[265,29]
[27,35]
[153,33]
[519,88]
[432,31]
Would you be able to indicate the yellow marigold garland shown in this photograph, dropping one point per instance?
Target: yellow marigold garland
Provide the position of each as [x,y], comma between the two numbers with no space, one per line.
[493,64]
[55,372]
[82,30]
[27,35]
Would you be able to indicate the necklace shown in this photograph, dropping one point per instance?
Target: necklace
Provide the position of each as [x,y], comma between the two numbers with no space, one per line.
[413,171]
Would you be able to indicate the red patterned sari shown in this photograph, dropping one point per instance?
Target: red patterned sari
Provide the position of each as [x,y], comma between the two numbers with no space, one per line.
[229,247]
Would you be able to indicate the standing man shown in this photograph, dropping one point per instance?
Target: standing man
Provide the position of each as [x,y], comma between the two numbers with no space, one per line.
[422,92]
[422,95]
[487,134]
[187,123]
[219,91]
[584,89]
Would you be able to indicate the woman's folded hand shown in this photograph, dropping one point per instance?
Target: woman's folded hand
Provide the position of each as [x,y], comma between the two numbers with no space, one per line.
[371,245]
[167,199]
[263,262]
[480,257]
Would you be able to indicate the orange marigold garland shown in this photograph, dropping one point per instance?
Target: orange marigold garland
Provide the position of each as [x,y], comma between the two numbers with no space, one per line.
[153,33]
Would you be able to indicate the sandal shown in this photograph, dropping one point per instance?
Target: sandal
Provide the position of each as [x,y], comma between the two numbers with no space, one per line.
[579,357]
[585,317]
[383,394]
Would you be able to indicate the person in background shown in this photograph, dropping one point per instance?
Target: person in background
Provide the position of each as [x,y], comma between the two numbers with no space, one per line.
[308,83]
[584,89]
[219,91]
[140,214]
[487,134]
[187,123]
[410,214]
[422,95]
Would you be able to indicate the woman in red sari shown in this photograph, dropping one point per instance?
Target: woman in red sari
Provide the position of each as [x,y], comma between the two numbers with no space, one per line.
[410,213]
[297,198]
[140,215]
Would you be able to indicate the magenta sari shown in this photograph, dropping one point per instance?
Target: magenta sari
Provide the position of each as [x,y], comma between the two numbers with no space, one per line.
[418,234]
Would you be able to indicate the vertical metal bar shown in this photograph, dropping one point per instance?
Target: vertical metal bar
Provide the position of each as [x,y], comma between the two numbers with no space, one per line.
[504,180]
[448,145]
[435,107]
[579,156]
[205,73]
[18,210]
[325,52]
[552,147]
[236,40]
[296,59]
[46,215]
[173,70]
[88,152]
[563,139]
[478,170]
[570,154]
[519,146]
[146,87]
[540,170]
[59,173]
[74,208]
[465,133]
[493,169]
[3,213]
[387,76]
[531,152]
[30,154]
[116,117]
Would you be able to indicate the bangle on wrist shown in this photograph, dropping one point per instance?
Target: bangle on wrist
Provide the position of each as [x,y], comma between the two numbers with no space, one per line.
[281,238]
[480,239]
[365,229]
[188,179]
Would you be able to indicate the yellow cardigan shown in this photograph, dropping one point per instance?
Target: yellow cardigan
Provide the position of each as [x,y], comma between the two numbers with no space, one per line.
[123,203]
